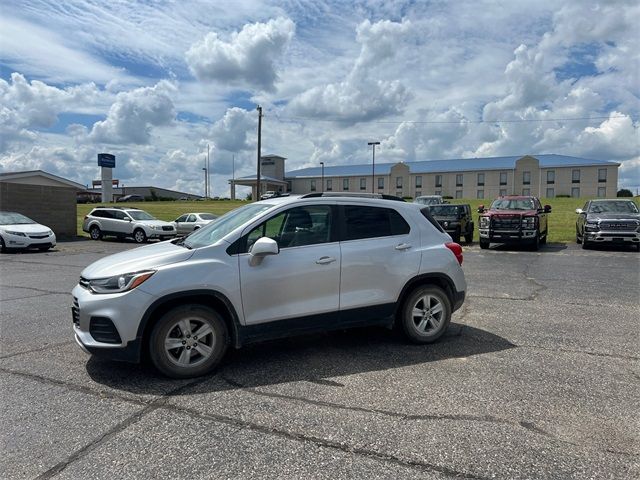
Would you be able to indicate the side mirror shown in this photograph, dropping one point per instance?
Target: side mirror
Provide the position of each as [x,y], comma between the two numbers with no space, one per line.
[480,208]
[127,219]
[579,211]
[547,209]
[264,246]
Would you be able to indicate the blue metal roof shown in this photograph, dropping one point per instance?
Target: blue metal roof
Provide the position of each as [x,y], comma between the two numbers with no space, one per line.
[452,165]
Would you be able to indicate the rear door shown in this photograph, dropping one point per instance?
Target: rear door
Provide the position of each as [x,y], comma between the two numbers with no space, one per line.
[180,228]
[380,253]
[303,279]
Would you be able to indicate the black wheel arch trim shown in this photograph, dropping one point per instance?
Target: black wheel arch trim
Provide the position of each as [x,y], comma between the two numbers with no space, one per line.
[231,315]
[439,279]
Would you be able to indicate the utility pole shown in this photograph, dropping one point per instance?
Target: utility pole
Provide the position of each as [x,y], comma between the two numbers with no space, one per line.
[259,154]
[322,188]
[373,166]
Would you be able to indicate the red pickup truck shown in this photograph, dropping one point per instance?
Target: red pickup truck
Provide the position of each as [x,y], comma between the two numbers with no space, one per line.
[514,219]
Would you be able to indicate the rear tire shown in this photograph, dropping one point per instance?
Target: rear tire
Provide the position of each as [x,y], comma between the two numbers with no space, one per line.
[139,236]
[188,341]
[95,233]
[484,244]
[426,314]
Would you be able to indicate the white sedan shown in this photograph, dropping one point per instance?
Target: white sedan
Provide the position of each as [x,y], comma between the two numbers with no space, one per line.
[189,222]
[20,232]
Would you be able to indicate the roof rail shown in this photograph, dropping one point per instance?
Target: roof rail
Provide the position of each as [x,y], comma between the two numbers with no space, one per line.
[352,195]
[116,207]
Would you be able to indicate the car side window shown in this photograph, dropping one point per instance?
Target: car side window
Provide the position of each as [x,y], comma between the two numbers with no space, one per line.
[296,227]
[106,214]
[370,222]
[119,215]
[191,218]
[181,218]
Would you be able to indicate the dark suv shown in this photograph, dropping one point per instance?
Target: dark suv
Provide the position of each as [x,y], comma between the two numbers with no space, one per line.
[514,219]
[456,220]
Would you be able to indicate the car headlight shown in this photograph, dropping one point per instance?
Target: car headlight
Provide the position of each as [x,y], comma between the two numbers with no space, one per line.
[120,283]
[18,234]
[445,224]
[529,222]
[484,222]
[591,226]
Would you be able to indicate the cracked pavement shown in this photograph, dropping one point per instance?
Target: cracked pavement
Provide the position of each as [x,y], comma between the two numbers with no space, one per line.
[537,377]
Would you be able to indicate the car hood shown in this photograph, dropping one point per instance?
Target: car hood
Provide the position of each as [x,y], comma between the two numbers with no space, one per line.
[26,228]
[594,217]
[156,223]
[511,212]
[138,259]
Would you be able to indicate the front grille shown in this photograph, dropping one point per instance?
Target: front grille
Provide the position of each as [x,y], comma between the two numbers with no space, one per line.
[618,226]
[167,229]
[75,312]
[39,235]
[84,283]
[103,330]
[511,222]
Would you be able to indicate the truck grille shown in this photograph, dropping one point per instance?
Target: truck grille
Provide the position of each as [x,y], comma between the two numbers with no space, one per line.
[167,229]
[618,226]
[511,222]
[75,312]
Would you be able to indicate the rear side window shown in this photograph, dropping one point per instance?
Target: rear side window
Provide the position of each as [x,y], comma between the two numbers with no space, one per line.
[370,222]
[426,213]
[102,214]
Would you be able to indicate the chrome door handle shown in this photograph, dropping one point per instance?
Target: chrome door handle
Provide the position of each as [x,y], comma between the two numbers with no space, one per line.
[325,260]
[403,246]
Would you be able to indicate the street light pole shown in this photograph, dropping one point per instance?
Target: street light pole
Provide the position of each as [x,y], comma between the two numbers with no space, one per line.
[208,173]
[322,187]
[373,165]
[259,108]
[205,182]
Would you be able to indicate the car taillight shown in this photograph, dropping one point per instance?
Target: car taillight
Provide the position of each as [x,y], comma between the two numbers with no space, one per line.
[456,249]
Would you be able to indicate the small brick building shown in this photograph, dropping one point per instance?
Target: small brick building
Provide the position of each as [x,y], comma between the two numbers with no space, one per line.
[46,198]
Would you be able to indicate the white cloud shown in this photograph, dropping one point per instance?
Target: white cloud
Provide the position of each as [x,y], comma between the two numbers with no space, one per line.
[235,131]
[249,58]
[131,117]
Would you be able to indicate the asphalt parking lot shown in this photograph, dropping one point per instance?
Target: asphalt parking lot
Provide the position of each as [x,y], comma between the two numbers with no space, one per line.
[537,377]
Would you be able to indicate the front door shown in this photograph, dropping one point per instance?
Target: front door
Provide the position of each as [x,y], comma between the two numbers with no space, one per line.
[303,279]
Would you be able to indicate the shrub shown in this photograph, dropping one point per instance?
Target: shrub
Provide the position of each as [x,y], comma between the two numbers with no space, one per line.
[624,192]
[563,196]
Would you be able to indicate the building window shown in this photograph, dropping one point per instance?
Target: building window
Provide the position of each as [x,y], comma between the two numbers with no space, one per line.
[526,191]
[438,180]
[503,178]
[363,184]
[602,192]
[550,193]
[313,185]
[575,176]
[602,175]
[575,192]
[419,181]
[399,193]
[438,192]
[345,184]
[480,194]
[459,180]
[551,177]
[329,185]
[526,178]
[398,182]
[481,180]
[503,192]
[418,193]
[458,193]
[380,183]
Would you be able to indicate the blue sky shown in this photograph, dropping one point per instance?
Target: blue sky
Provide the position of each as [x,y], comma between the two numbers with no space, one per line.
[155,82]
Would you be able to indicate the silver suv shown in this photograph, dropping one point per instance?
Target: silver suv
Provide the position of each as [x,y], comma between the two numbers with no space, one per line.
[126,222]
[274,268]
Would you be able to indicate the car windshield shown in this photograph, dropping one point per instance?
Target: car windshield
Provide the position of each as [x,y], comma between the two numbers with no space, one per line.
[513,204]
[207,216]
[140,215]
[11,218]
[613,206]
[444,210]
[214,231]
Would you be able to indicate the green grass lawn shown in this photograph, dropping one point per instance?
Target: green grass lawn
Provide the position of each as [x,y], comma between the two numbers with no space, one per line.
[562,219]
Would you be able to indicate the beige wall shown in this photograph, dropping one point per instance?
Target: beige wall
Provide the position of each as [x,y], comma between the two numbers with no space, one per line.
[54,207]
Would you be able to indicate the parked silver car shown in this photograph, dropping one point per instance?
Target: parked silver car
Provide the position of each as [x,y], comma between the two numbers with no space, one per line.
[20,232]
[274,268]
[124,222]
[189,222]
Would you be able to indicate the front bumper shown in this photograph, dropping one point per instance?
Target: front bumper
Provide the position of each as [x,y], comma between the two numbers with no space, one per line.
[508,236]
[123,310]
[19,242]
[604,236]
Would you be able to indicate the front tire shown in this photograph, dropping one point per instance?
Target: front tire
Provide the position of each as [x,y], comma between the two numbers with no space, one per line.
[456,235]
[188,341]
[139,236]
[426,314]
[469,236]
[95,233]
[3,248]
[535,243]
[484,244]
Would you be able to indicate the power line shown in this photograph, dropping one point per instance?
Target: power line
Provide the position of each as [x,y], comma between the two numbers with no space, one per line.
[445,122]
